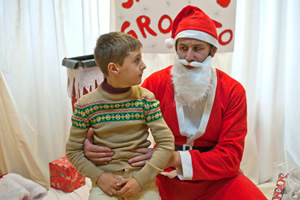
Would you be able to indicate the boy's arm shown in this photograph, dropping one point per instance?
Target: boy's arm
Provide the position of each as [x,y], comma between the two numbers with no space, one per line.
[74,153]
[74,146]
[161,154]
[163,138]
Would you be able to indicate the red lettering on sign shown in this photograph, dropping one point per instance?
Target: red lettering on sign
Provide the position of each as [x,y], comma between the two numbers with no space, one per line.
[223,3]
[143,22]
[125,25]
[217,24]
[128,4]
[222,33]
[221,42]
[160,28]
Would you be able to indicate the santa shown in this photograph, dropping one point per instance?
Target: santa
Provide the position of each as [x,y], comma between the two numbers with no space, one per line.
[206,111]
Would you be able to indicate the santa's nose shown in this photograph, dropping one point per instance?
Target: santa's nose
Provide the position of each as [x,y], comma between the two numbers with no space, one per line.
[189,55]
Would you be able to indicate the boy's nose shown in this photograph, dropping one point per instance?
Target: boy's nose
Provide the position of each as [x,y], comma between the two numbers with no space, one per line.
[143,66]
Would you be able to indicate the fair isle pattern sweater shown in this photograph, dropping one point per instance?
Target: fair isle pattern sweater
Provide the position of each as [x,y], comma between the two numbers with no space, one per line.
[120,122]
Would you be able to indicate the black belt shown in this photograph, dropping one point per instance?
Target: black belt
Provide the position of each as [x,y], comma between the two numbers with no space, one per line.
[186,147]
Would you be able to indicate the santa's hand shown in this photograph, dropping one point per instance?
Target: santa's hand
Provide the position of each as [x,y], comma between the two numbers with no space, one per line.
[139,161]
[97,154]
[175,161]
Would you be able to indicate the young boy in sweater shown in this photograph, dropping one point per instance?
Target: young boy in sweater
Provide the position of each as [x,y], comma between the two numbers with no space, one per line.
[120,112]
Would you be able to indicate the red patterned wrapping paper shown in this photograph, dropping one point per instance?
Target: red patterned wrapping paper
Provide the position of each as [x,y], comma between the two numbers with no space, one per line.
[63,176]
[278,192]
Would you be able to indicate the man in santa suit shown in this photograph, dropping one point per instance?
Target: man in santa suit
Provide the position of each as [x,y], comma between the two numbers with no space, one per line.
[206,111]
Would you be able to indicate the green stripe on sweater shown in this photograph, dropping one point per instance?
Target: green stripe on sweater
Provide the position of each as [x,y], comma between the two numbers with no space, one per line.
[89,109]
[94,113]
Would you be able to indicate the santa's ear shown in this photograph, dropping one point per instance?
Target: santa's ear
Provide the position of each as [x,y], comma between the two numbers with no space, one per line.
[213,51]
[112,68]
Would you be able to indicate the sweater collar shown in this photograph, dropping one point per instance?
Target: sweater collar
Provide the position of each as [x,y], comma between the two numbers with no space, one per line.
[113,90]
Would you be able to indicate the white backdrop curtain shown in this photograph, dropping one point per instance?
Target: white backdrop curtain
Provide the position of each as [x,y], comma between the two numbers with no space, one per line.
[35,109]
[266,62]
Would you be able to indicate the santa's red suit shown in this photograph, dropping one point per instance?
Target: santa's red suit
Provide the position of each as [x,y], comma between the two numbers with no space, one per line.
[214,174]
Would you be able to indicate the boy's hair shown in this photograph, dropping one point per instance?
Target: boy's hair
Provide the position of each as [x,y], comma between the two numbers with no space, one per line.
[114,47]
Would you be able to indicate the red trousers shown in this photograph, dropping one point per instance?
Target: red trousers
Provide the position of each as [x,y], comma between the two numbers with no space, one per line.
[236,188]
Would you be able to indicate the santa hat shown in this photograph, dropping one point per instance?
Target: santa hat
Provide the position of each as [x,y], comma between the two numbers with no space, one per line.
[192,22]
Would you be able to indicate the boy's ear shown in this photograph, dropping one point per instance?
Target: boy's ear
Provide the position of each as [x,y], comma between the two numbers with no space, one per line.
[113,68]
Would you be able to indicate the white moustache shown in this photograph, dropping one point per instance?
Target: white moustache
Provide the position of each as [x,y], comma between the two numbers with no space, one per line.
[195,63]
[193,85]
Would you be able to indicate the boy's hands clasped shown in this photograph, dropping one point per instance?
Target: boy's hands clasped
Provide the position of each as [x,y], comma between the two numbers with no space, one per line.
[129,188]
[108,183]
[113,185]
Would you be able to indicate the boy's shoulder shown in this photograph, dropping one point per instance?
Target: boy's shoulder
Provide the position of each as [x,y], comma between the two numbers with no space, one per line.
[89,97]
[143,92]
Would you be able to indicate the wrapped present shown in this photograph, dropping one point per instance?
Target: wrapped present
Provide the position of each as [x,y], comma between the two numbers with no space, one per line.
[278,191]
[63,176]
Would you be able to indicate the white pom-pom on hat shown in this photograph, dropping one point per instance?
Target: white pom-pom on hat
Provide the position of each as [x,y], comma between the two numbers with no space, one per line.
[169,43]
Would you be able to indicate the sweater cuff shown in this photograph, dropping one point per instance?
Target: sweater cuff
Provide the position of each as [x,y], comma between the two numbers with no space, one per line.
[146,174]
[93,173]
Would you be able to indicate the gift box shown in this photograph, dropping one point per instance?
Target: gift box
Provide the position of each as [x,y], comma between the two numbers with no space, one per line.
[278,191]
[63,176]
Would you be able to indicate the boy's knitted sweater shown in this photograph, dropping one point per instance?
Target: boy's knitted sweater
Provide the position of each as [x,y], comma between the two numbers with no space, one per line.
[120,122]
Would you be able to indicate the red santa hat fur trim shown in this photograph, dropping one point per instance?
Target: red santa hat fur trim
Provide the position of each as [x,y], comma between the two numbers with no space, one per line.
[192,22]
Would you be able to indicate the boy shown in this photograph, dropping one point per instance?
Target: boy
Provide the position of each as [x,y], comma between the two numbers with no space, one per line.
[120,112]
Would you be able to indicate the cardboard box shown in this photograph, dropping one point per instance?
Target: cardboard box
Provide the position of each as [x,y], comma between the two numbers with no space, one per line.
[85,61]
[63,176]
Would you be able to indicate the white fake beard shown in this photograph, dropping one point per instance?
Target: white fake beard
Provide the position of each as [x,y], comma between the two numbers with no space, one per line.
[191,85]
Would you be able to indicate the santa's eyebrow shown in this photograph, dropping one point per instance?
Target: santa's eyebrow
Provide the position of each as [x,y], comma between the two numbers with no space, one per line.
[198,44]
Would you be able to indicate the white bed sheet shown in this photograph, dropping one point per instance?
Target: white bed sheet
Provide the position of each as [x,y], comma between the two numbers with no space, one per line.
[83,192]
[267,189]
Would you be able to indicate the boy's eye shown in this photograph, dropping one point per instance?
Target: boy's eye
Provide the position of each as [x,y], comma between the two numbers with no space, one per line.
[137,60]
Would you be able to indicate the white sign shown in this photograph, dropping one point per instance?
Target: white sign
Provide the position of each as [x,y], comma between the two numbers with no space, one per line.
[151,20]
